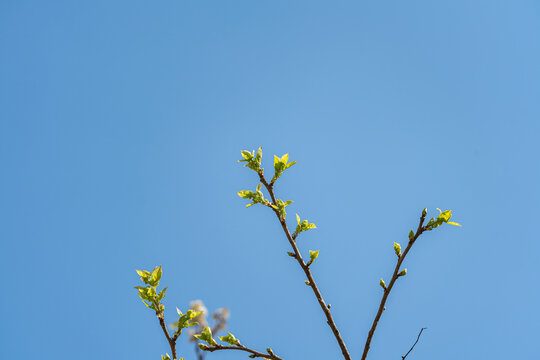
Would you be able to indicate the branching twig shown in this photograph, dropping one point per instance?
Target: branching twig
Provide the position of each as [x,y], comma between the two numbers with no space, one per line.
[387,290]
[311,282]
[254,353]
[411,349]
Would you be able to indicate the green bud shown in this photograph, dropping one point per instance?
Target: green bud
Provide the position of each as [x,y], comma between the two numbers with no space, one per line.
[312,256]
[424,212]
[411,235]
[383,284]
[291,254]
[307,283]
[403,272]
[397,249]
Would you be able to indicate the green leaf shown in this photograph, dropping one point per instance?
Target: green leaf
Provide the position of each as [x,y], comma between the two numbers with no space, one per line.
[145,275]
[289,165]
[166,357]
[276,160]
[246,155]
[161,294]
[397,249]
[156,276]
[246,194]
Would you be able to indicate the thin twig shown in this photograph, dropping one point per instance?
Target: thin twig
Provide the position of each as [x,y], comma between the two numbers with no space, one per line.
[418,338]
[254,353]
[311,282]
[387,290]
[172,342]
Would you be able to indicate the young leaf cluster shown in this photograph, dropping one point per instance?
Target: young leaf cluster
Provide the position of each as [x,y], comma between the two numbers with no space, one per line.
[149,294]
[443,217]
[230,339]
[280,165]
[184,320]
[257,197]
[302,226]
[279,206]
[252,160]
[206,336]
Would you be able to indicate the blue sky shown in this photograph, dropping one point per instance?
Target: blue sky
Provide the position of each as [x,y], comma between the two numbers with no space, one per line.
[121,124]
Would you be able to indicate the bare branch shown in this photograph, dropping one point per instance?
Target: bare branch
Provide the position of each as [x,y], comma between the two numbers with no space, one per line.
[254,353]
[411,349]
[311,282]
[387,290]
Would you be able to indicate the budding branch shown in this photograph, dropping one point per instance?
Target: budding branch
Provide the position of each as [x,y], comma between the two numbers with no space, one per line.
[387,290]
[311,282]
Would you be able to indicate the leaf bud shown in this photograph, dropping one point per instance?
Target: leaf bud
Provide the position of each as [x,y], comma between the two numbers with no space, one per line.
[397,249]
[403,272]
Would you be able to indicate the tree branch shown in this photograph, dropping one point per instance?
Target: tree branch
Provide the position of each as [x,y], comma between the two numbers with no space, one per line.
[411,349]
[387,290]
[254,353]
[325,308]
[172,342]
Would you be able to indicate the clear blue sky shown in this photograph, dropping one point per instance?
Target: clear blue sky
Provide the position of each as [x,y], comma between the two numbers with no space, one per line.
[121,126]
